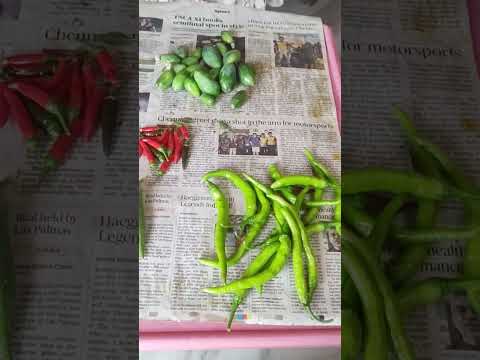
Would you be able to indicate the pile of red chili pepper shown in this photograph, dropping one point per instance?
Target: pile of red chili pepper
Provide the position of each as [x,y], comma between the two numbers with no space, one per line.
[60,94]
[163,146]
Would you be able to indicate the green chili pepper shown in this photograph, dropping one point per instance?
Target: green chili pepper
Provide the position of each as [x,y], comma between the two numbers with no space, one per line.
[351,335]
[376,340]
[432,235]
[262,277]
[248,192]
[400,341]
[286,192]
[255,267]
[312,213]
[357,218]
[223,222]
[301,198]
[299,180]
[255,228]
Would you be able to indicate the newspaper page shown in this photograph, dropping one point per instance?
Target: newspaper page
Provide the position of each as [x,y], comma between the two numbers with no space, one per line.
[71,235]
[291,105]
[417,54]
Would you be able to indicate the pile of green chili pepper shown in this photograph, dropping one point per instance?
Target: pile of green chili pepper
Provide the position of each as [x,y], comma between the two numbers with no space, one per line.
[206,72]
[295,201]
[59,96]
[377,294]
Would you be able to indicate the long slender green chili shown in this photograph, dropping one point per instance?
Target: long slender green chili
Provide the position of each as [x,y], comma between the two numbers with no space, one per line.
[376,340]
[260,278]
[255,266]
[299,180]
[318,169]
[286,192]
[351,335]
[256,226]
[431,291]
[401,343]
[141,224]
[281,223]
[322,203]
[397,182]
[301,198]
[433,235]
[312,213]
[320,227]
[357,219]
[384,222]
[223,222]
[247,191]
[407,263]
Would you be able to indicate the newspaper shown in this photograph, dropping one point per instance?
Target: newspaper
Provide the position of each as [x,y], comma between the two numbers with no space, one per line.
[74,240]
[417,54]
[291,105]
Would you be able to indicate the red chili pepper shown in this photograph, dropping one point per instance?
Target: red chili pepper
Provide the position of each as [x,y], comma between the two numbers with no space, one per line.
[75,100]
[164,166]
[163,139]
[4,108]
[184,131]
[62,147]
[20,114]
[150,130]
[61,92]
[158,148]
[107,66]
[60,76]
[178,143]
[170,141]
[89,78]
[23,59]
[42,98]
[92,111]
[148,153]
[152,143]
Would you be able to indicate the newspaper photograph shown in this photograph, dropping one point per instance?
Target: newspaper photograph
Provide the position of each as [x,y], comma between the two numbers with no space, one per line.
[290,109]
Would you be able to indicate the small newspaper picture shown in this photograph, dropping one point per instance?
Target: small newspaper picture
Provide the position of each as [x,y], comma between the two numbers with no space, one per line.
[248,142]
[298,51]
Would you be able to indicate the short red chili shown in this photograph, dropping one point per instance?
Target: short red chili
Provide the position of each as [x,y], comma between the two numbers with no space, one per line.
[62,146]
[178,147]
[107,66]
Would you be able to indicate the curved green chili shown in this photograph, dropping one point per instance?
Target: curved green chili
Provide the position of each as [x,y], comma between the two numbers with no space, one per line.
[376,340]
[351,335]
[286,192]
[384,222]
[318,169]
[312,213]
[255,266]
[431,291]
[247,191]
[260,278]
[223,222]
[299,180]
[301,198]
[397,182]
[400,341]
[256,226]
[320,227]
[357,219]
[432,235]
[321,203]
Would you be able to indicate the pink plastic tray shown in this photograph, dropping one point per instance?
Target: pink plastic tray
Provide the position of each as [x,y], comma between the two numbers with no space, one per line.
[169,335]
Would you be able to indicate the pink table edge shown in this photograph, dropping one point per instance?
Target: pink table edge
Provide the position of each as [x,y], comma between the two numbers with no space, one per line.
[170,335]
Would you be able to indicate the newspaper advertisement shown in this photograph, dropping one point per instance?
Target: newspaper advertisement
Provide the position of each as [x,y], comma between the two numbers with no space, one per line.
[418,55]
[290,109]
[71,234]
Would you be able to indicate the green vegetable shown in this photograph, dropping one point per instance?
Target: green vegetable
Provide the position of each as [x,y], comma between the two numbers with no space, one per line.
[208,100]
[227,37]
[192,87]
[165,80]
[179,67]
[197,53]
[206,84]
[246,74]
[351,335]
[228,77]
[222,47]
[179,81]
[181,52]
[195,67]
[170,58]
[232,57]
[239,99]
[212,57]
[190,60]
[223,223]
[213,74]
